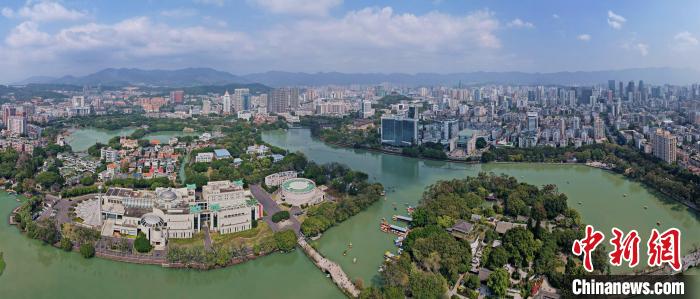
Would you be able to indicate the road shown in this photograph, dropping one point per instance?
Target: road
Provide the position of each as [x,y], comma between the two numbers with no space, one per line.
[271,207]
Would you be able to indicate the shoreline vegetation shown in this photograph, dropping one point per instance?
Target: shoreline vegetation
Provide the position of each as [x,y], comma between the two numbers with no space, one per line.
[350,193]
[683,186]
[534,247]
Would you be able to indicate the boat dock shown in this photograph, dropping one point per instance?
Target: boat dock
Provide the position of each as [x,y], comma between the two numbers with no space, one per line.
[334,270]
[406,219]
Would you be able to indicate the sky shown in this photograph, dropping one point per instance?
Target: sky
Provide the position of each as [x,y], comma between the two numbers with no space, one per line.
[78,37]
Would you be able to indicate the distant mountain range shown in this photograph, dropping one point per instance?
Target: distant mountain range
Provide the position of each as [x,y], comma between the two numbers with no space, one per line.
[190,77]
[163,78]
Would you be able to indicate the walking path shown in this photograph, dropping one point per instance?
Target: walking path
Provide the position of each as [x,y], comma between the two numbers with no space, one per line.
[337,274]
[207,239]
[271,207]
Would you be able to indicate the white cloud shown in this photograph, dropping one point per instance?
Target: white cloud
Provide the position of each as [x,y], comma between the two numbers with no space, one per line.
[384,29]
[555,16]
[44,11]
[27,34]
[685,41]
[615,21]
[179,13]
[584,37]
[642,48]
[518,23]
[218,3]
[8,12]
[298,7]
[370,39]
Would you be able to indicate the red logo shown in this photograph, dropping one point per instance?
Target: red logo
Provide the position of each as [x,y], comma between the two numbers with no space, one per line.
[665,248]
[626,248]
[586,246]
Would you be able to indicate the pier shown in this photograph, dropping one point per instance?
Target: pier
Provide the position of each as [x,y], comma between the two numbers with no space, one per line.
[336,272]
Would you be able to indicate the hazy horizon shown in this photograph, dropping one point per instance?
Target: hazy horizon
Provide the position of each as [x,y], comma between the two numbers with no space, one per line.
[71,37]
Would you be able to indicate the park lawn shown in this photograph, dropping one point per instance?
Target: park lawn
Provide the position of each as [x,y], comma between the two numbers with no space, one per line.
[196,240]
[248,237]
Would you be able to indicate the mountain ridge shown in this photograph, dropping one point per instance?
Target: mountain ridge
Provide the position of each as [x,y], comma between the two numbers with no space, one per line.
[189,77]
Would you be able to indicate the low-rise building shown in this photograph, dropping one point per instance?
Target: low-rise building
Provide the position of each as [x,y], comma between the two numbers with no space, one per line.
[224,207]
[204,157]
[278,178]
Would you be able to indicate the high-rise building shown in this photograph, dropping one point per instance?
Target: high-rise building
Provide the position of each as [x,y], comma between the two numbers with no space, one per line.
[598,129]
[620,91]
[78,101]
[283,100]
[177,96]
[399,130]
[17,124]
[611,85]
[7,111]
[532,121]
[366,109]
[664,145]
[206,107]
[239,95]
[226,102]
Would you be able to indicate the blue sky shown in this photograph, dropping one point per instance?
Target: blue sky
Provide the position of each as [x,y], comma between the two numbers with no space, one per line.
[82,36]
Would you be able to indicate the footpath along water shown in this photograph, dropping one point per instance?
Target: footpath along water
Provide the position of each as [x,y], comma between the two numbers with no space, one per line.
[600,192]
[35,270]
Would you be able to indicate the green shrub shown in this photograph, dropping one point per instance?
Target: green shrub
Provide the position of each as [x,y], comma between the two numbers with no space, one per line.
[280,216]
[66,244]
[87,250]
[141,244]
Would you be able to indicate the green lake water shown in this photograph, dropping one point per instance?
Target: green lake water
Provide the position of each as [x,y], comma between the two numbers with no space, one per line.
[39,271]
[600,193]
[81,139]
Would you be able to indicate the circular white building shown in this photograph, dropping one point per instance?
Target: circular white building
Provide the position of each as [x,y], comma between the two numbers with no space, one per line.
[300,191]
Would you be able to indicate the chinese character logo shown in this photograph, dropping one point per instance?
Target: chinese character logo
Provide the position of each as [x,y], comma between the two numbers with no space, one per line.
[586,246]
[665,248]
[625,248]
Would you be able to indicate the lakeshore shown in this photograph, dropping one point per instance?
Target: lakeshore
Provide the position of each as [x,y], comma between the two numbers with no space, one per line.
[406,178]
[593,164]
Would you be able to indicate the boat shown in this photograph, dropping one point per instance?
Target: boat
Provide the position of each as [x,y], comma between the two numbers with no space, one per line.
[345,252]
[645,207]
[354,260]
[350,245]
[658,223]
[580,202]
[625,195]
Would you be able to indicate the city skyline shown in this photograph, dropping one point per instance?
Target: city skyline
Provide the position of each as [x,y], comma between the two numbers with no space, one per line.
[77,38]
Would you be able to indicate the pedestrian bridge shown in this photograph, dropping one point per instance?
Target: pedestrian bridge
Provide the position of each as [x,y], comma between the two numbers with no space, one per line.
[337,274]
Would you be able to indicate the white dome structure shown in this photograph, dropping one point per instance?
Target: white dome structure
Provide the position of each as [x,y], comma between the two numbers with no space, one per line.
[300,191]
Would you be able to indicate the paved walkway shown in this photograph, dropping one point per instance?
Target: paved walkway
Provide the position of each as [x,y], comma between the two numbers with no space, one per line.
[271,207]
[207,239]
[337,274]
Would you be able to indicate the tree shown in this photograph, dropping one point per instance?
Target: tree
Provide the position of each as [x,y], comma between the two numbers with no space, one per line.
[66,244]
[142,244]
[286,240]
[498,282]
[426,285]
[87,180]
[47,178]
[497,258]
[480,143]
[87,250]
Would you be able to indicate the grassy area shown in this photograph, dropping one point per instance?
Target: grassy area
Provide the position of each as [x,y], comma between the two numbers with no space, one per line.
[196,240]
[2,264]
[249,237]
